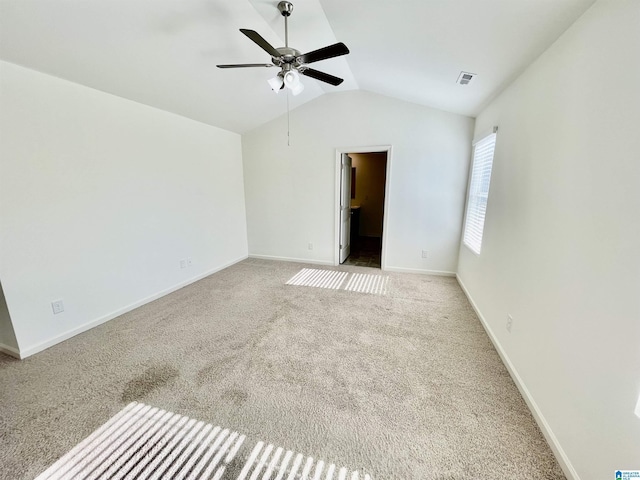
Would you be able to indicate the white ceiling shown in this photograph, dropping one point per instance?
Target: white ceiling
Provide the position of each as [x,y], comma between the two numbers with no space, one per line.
[163,52]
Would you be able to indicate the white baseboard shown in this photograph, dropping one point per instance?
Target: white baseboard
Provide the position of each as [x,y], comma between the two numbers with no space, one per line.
[419,271]
[14,352]
[552,440]
[33,349]
[290,259]
[323,262]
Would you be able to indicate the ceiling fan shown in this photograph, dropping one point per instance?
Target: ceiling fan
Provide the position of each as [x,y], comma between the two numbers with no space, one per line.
[291,62]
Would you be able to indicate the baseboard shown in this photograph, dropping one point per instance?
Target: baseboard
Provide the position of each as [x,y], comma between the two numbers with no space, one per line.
[33,349]
[14,352]
[419,271]
[552,440]
[322,262]
[290,259]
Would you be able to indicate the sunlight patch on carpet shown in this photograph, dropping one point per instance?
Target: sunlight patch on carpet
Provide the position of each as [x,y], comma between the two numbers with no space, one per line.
[144,442]
[333,279]
[367,283]
[313,277]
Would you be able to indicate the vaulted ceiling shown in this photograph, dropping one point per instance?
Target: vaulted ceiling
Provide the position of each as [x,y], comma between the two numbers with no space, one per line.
[164,53]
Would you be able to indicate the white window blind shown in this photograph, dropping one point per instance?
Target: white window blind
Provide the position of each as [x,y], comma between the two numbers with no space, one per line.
[479,192]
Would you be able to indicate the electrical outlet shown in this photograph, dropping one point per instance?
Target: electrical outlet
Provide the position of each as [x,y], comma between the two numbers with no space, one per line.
[509,323]
[189,262]
[57,306]
[183,263]
[310,246]
[424,254]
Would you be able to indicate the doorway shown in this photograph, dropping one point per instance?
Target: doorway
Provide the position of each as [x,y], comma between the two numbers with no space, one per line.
[362,179]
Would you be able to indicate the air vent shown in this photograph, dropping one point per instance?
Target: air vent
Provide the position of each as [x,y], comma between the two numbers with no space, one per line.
[465,77]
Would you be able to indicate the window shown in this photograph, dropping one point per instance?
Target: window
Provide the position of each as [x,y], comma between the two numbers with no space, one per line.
[479,192]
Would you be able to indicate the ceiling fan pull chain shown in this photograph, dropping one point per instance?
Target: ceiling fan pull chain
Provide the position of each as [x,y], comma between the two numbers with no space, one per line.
[288,128]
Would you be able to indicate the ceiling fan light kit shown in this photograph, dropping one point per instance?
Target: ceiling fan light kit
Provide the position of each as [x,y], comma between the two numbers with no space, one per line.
[276,83]
[291,62]
[291,78]
[292,82]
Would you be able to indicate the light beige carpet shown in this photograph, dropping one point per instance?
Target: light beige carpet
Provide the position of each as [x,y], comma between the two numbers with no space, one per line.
[406,384]
[147,443]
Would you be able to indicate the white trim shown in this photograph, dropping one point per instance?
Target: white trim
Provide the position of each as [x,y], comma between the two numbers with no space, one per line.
[336,226]
[552,440]
[464,244]
[484,135]
[420,271]
[291,259]
[14,352]
[479,177]
[388,149]
[466,205]
[38,347]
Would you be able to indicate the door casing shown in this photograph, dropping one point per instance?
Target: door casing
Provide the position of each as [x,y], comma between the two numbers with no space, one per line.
[345,207]
[338,165]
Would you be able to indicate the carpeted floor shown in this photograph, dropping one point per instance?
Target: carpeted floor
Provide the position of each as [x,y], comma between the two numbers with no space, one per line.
[405,385]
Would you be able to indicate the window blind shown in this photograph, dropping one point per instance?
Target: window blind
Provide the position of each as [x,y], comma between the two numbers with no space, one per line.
[479,192]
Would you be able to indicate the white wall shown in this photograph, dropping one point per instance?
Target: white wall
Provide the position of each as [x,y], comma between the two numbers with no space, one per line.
[560,250]
[100,198]
[290,191]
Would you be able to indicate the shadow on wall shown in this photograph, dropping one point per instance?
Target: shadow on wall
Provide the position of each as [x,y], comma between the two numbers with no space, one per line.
[7,335]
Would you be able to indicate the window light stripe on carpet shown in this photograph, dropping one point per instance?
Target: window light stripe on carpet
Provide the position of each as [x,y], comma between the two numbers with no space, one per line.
[147,443]
[332,279]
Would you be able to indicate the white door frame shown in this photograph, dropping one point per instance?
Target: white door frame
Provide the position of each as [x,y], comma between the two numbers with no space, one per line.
[345,207]
[372,149]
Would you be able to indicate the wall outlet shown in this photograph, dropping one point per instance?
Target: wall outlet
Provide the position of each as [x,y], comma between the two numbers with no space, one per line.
[57,306]
[509,323]
[189,262]
[310,246]
[424,254]
[183,263]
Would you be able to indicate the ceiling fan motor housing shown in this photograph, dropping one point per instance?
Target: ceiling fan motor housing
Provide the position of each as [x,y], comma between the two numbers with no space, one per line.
[288,55]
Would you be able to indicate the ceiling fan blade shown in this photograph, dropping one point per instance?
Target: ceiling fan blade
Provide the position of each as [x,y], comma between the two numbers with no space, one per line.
[246,65]
[323,77]
[261,42]
[331,51]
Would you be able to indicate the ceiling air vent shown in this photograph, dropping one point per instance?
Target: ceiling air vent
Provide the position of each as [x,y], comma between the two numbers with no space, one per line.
[465,77]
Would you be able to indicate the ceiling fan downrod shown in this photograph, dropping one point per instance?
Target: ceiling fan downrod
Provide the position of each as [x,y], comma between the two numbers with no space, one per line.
[286,8]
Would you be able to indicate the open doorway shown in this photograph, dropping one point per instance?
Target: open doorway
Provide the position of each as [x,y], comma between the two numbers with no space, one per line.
[362,181]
